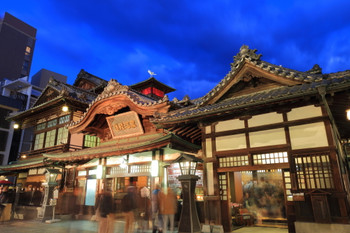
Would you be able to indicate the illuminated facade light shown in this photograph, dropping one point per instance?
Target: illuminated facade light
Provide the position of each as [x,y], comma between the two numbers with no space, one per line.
[65,108]
[16,126]
[348,114]
[99,172]
[154,168]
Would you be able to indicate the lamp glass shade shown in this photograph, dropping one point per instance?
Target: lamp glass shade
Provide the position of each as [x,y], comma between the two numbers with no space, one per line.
[348,114]
[188,167]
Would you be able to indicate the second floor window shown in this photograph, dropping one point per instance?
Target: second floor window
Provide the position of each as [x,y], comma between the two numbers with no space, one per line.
[91,141]
[51,133]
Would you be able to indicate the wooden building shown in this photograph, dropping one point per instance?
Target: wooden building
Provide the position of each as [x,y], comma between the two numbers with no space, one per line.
[132,151]
[273,140]
[58,104]
[105,141]
[273,144]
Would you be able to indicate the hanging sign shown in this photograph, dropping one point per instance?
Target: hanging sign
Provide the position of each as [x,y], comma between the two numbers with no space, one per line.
[125,124]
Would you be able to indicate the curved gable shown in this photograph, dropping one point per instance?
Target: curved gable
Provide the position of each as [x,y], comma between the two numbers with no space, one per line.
[114,98]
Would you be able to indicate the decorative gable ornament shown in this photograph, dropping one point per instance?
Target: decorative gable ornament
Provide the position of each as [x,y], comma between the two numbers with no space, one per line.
[245,53]
[113,86]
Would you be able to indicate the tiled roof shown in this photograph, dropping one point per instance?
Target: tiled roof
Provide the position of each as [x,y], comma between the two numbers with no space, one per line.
[65,91]
[163,86]
[23,164]
[310,82]
[90,77]
[247,55]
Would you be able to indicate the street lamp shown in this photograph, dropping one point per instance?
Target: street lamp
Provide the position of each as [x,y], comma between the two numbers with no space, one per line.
[50,197]
[189,221]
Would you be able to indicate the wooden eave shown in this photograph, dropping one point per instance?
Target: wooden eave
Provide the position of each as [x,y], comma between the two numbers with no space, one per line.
[126,146]
[111,105]
[249,69]
[29,117]
[24,164]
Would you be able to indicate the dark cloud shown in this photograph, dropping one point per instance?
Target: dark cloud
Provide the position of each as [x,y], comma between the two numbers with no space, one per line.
[189,44]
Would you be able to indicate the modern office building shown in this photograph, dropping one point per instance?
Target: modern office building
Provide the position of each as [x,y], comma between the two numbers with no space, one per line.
[17,41]
[16,95]
[43,76]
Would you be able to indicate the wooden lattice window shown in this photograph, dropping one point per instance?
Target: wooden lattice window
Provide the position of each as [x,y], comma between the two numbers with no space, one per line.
[314,172]
[270,158]
[91,141]
[223,186]
[234,161]
[141,168]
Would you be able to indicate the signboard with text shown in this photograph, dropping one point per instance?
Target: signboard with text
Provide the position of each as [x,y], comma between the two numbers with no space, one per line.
[125,124]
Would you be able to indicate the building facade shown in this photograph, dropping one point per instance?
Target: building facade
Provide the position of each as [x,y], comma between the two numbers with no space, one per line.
[17,42]
[43,76]
[273,140]
[273,145]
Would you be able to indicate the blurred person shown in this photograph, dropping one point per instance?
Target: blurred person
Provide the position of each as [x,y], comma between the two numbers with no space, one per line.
[105,210]
[157,220]
[128,208]
[144,209]
[168,208]
[37,196]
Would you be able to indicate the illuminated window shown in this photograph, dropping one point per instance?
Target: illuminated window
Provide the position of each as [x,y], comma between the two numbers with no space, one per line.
[288,185]
[62,135]
[140,168]
[63,119]
[51,123]
[39,141]
[223,186]
[28,51]
[41,126]
[234,161]
[91,141]
[50,138]
[270,158]
[314,172]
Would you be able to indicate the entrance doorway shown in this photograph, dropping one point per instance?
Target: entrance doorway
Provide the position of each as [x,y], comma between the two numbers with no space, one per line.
[257,198]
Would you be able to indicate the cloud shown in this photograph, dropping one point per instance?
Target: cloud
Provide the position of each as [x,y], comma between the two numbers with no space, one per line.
[184,42]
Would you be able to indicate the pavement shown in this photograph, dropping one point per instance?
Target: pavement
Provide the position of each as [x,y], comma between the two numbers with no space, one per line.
[86,226]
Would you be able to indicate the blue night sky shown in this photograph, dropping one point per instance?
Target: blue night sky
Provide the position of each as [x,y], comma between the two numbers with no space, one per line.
[188,44]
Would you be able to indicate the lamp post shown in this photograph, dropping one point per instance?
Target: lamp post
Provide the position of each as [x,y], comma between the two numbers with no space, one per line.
[49,202]
[189,221]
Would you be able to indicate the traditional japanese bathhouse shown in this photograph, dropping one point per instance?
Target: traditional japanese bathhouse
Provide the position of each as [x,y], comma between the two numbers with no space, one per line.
[130,150]
[58,104]
[272,144]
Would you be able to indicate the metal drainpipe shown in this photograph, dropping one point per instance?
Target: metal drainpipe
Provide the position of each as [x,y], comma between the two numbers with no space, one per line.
[335,132]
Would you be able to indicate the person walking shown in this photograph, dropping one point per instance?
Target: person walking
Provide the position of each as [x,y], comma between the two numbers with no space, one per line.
[157,221]
[128,208]
[144,209]
[105,209]
[168,208]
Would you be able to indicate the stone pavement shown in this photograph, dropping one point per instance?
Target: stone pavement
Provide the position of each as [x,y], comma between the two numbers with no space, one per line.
[86,226]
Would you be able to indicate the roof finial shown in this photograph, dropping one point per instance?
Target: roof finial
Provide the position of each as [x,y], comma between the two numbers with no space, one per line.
[245,53]
[151,73]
